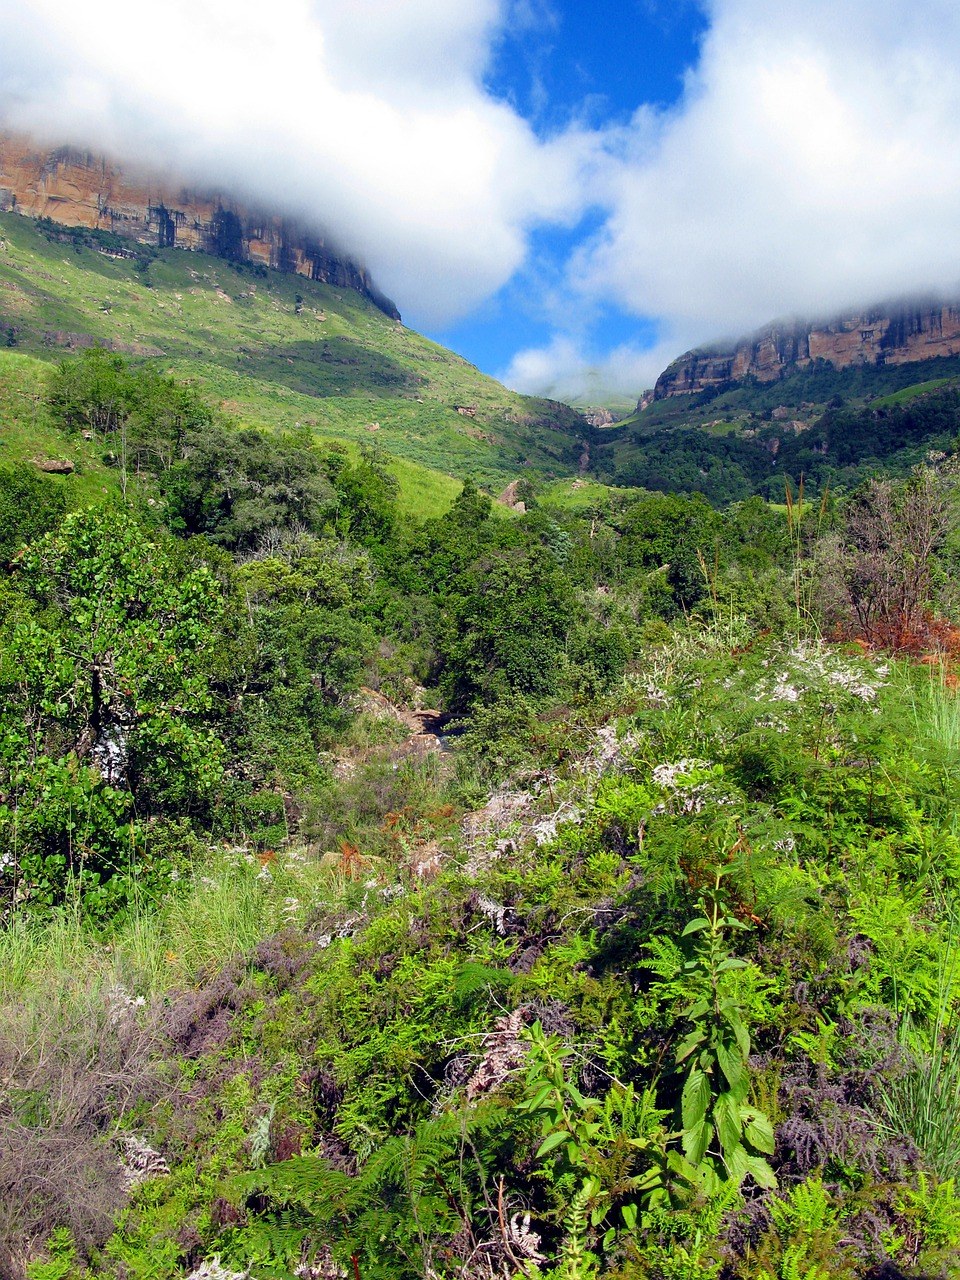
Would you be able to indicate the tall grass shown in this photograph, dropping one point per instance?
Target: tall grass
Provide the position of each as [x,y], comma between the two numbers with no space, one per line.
[225,912]
[803,580]
[934,707]
[924,1102]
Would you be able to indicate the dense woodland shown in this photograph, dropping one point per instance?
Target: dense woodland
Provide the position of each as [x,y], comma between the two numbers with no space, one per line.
[837,435]
[646,968]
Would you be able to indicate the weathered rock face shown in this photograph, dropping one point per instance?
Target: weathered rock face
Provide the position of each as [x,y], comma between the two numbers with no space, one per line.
[882,335]
[82,189]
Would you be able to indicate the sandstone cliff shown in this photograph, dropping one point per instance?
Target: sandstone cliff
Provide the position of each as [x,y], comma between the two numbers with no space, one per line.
[82,189]
[882,335]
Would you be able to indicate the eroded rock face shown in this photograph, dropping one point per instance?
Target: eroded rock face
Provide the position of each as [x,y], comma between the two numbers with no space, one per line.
[882,335]
[82,189]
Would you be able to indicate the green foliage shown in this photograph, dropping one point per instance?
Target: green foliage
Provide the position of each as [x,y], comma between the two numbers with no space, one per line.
[805,1241]
[235,488]
[106,678]
[715,1113]
[506,621]
[394,1217]
[30,506]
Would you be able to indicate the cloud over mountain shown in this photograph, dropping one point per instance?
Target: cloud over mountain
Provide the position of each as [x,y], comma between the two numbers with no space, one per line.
[812,162]
[371,115]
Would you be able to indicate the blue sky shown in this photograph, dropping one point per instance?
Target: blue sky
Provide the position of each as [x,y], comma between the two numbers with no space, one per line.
[599,60]
[596,63]
[569,195]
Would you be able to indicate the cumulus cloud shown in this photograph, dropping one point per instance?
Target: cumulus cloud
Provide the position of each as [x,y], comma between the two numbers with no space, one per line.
[813,164]
[565,368]
[810,165]
[371,116]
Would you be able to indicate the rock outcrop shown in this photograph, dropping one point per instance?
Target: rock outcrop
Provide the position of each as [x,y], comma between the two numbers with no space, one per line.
[82,189]
[895,334]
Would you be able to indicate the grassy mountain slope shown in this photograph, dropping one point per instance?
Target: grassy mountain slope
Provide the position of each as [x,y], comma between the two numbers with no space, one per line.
[278,350]
[749,437]
[27,434]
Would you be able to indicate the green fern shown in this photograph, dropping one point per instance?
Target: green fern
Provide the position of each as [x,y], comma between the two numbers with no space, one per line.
[472,978]
[577,1262]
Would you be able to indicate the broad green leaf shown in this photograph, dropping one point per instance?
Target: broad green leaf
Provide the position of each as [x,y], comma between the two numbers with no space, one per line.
[762,1174]
[629,1212]
[732,1066]
[726,1116]
[552,1140]
[696,926]
[695,1099]
[697,1009]
[696,1141]
[731,1015]
[758,1130]
[692,1042]
[575,1095]
[737,1164]
[538,1099]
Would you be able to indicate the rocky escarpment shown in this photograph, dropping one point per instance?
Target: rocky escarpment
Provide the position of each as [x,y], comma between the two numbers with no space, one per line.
[882,335]
[81,189]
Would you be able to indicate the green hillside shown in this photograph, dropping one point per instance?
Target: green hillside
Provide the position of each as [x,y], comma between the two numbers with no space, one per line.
[569,895]
[836,427]
[278,350]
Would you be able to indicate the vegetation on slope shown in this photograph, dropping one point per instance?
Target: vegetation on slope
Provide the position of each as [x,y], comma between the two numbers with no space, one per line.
[833,428]
[278,350]
[649,973]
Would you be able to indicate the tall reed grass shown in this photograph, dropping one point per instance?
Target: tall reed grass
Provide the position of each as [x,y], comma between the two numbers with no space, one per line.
[924,1101]
[934,708]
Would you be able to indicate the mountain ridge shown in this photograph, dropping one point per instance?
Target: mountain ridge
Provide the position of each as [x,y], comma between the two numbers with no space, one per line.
[79,188]
[900,332]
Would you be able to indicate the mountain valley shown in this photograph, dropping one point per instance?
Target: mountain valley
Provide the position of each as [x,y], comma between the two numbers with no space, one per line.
[445,835]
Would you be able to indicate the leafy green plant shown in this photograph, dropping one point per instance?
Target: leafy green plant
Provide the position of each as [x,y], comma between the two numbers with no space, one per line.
[714,1107]
[610,1154]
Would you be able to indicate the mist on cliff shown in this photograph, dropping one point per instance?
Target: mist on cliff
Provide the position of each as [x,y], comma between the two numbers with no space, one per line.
[369,118]
[811,163]
[812,166]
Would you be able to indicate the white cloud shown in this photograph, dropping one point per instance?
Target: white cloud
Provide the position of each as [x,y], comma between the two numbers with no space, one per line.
[813,164]
[370,115]
[565,369]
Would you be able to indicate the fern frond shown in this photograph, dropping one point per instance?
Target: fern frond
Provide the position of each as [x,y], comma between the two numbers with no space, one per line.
[306,1182]
[412,1161]
[472,978]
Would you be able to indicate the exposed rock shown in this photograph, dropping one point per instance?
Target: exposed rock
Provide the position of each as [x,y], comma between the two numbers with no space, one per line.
[646,400]
[599,417]
[418,744]
[510,499]
[82,189]
[55,466]
[896,334]
[373,703]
